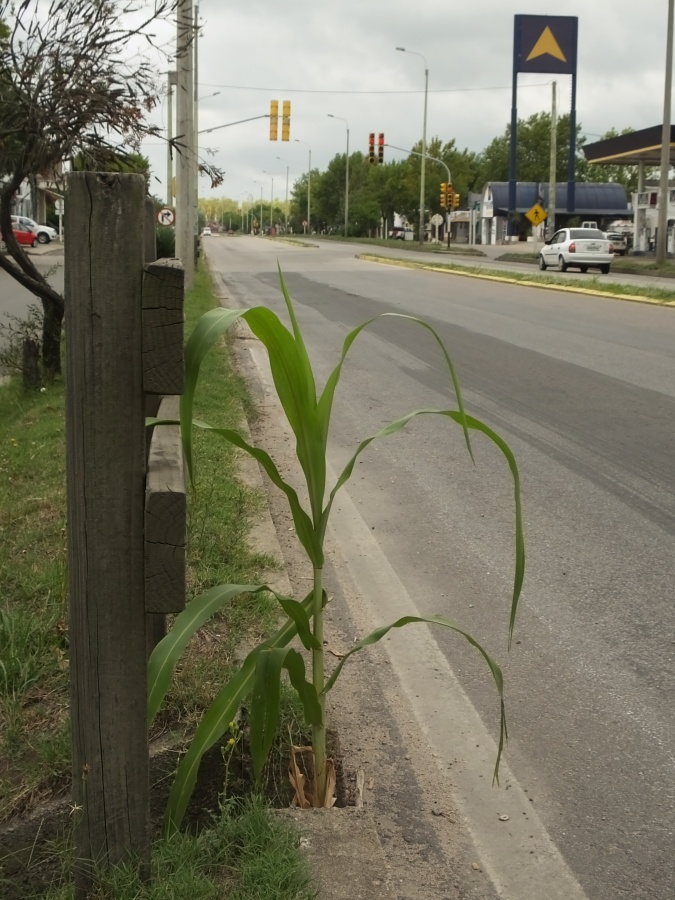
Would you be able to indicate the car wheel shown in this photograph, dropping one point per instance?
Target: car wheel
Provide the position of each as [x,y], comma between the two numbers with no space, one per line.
[542,264]
[34,242]
[584,269]
[43,238]
[605,269]
[562,265]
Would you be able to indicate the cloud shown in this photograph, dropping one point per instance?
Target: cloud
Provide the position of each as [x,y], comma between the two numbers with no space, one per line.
[338,56]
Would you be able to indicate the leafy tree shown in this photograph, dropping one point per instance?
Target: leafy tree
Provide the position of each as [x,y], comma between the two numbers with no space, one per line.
[532,152]
[116,161]
[74,81]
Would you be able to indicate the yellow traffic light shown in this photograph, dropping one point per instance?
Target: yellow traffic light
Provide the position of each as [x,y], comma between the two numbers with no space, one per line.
[286,121]
[444,194]
[274,119]
[455,201]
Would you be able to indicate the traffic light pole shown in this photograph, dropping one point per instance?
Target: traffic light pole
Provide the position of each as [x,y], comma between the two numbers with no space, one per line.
[431,159]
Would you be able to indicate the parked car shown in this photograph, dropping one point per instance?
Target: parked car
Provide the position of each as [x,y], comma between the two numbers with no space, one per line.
[27,238]
[206,232]
[577,248]
[44,233]
[619,242]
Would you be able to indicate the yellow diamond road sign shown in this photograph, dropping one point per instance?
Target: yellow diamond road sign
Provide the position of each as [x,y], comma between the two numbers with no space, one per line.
[537,214]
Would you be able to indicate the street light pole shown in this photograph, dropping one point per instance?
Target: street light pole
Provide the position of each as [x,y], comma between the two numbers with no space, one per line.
[271,195]
[286,205]
[309,185]
[331,116]
[185,227]
[424,138]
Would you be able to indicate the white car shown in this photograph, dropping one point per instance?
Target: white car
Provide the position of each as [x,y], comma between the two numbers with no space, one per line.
[206,232]
[577,248]
[44,233]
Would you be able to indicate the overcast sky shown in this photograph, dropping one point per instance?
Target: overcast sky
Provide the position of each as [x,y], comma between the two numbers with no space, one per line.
[339,57]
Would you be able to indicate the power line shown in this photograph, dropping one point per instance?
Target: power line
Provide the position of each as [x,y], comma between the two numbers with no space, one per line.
[278,90]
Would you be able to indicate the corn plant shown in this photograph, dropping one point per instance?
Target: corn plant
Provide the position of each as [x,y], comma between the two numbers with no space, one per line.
[308,413]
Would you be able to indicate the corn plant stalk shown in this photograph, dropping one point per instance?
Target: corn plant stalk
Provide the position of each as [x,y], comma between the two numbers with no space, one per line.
[319,730]
[308,415]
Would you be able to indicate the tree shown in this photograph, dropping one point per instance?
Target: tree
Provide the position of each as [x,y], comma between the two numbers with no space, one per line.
[76,79]
[532,153]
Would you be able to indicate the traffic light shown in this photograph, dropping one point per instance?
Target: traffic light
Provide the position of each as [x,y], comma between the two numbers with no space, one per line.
[274,119]
[371,147]
[286,121]
[380,149]
[444,196]
[455,201]
[448,196]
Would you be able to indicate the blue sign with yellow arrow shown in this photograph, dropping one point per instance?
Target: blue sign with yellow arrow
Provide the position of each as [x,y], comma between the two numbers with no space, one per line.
[545,44]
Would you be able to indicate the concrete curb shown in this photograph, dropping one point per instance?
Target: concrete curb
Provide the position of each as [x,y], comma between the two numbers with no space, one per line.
[572,289]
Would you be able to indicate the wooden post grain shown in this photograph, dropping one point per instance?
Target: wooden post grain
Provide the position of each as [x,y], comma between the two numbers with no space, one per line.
[165,517]
[105,480]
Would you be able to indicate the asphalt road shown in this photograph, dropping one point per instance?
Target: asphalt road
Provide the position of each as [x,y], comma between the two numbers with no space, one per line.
[583,389]
[15,299]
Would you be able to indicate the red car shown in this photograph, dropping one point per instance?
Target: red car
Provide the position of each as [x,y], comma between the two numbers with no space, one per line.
[25,237]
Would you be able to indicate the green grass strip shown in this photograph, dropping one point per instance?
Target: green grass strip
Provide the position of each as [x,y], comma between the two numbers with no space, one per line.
[638,293]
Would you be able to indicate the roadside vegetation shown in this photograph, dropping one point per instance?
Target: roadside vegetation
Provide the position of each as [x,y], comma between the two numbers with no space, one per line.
[245,852]
[659,295]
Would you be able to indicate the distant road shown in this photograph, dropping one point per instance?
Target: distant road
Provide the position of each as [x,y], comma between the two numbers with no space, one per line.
[15,299]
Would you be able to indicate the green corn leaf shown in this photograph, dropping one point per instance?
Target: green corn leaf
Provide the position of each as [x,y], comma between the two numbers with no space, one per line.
[326,399]
[303,524]
[495,670]
[215,722]
[295,666]
[296,612]
[296,391]
[168,651]
[264,706]
[211,326]
[471,423]
[265,700]
[519,573]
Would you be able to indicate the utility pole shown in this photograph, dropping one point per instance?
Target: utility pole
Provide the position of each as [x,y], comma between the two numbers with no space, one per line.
[662,234]
[169,138]
[196,121]
[552,175]
[185,227]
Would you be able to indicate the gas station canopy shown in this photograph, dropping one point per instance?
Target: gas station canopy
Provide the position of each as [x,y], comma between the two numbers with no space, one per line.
[631,149]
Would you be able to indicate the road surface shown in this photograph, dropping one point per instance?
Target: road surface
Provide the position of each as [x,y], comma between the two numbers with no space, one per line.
[583,389]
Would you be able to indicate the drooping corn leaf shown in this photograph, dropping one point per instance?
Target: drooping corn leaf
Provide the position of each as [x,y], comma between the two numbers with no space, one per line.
[468,422]
[495,670]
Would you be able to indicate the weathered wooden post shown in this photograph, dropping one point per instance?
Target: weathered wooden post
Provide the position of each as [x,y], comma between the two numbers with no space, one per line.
[165,504]
[105,476]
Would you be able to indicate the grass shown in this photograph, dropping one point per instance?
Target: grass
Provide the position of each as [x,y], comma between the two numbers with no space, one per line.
[660,295]
[412,246]
[34,723]
[629,265]
[246,854]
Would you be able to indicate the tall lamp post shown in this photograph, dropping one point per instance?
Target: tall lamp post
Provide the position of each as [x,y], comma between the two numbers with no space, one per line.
[286,205]
[331,116]
[309,185]
[271,194]
[424,137]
